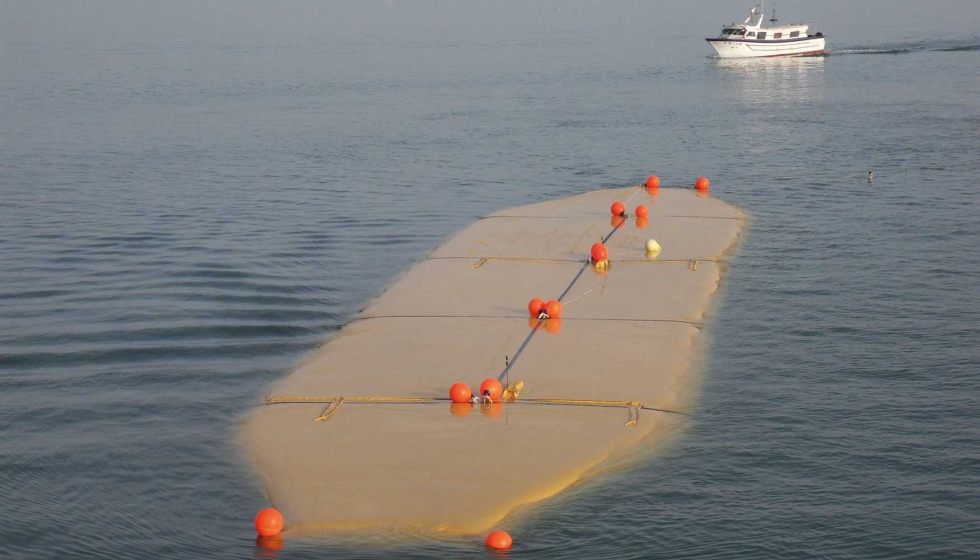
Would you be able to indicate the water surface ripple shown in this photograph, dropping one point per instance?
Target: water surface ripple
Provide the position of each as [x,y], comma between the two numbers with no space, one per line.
[180,226]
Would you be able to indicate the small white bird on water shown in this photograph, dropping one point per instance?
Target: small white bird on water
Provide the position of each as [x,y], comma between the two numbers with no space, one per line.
[871,176]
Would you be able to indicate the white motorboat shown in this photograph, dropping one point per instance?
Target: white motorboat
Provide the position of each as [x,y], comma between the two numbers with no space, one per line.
[751,39]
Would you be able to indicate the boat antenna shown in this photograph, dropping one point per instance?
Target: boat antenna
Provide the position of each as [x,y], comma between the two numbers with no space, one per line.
[773,19]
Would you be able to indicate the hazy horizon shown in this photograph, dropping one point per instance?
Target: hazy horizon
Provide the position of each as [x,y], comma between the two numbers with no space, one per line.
[250,22]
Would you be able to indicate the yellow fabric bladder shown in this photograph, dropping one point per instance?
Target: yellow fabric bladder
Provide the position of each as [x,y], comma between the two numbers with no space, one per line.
[416,461]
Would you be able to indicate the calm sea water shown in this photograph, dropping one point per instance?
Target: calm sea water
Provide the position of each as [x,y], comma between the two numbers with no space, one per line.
[181,222]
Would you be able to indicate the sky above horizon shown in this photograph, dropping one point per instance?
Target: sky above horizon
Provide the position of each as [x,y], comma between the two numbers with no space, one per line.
[225,22]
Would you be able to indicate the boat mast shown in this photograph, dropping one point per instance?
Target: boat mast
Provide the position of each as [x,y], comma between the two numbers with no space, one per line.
[762,13]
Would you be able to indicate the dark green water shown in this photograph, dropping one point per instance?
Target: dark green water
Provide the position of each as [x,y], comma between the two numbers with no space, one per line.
[181,222]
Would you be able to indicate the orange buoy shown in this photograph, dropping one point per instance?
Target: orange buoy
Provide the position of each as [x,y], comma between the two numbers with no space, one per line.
[702,184]
[268,522]
[535,307]
[499,540]
[653,182]
[599,252]
[643,222]
[460,408]
[642,211]
[460,393]
[553,309]
[617,209]
[492,386]
[553,326]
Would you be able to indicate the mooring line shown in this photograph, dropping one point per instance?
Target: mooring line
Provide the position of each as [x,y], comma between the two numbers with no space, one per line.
[574,280]
[586,264]
[510,363]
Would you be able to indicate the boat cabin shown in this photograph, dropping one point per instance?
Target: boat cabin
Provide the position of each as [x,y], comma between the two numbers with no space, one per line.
[752,30]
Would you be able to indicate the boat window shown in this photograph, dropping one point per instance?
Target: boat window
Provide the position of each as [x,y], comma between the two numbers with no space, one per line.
[751,33]
[777,36]
[794,34]
[762,34]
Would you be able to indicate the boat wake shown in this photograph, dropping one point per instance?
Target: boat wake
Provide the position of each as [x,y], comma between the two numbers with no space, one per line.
[961,45]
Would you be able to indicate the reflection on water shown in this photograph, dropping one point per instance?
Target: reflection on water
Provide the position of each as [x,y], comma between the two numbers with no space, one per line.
[766,81]
[770,95]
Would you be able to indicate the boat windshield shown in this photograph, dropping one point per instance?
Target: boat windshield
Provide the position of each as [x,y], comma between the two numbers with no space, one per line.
[732,32]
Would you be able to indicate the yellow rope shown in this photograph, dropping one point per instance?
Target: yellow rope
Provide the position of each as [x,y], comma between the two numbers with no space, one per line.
[426,400]
[584,402]
[381,400]
[670,261]
[335,403]
[485,260]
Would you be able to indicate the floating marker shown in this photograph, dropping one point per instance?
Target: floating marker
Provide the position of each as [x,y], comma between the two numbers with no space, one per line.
[492,386]
[535,307]
[618,208]
[702,184]
[653,182]
[499,540]
[268,522]
[553,309]
[599,253]
[653,248]
[460,393]
[642,211]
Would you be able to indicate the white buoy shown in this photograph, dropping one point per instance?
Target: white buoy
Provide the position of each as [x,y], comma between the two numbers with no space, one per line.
[653,248]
